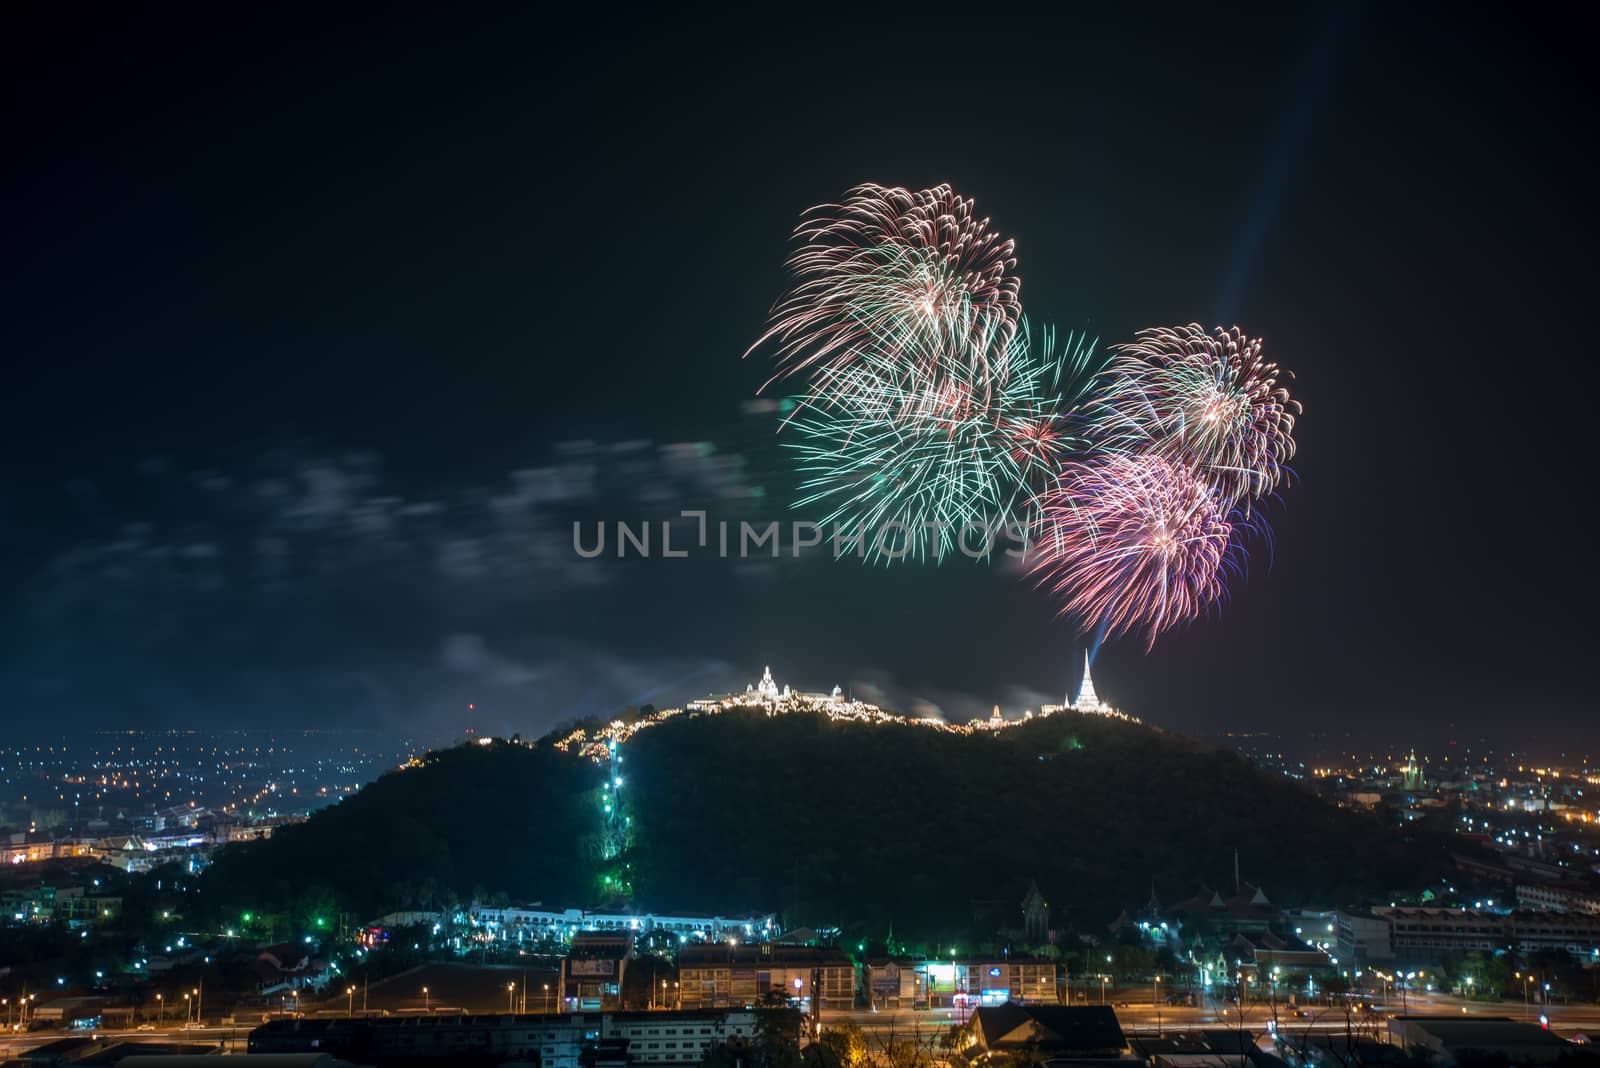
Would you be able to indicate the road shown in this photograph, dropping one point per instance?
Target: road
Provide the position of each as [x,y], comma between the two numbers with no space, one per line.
[1136,1015]
[230,1038]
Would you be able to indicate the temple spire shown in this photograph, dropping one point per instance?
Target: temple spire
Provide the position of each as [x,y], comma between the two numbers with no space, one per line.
[1087,700]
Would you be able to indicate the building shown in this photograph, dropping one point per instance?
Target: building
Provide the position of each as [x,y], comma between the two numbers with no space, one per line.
[989,981]
[1412,777]
[531,922]
[894,983]
[1558,897]
[1423,935]
[1447,1041]
[1087,702]
[551,1041]
[1210,1048]
[71,905]
[1051,1032]
[591,974]
[1275,957]
[1036,915]
[1577,933]
[768,696]
[1362,939]
[32,849]
[1249,911]
[732,976]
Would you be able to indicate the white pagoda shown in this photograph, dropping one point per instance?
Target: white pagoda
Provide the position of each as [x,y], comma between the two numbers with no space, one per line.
[1088,700]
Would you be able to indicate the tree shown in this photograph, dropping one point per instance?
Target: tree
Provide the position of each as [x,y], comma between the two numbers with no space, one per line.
[1130,961]
[844,1046]
[956,1039]
[777,1039]
[723,1055]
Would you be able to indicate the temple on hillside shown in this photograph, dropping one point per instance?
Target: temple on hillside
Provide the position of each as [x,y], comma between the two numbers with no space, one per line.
[1087,702]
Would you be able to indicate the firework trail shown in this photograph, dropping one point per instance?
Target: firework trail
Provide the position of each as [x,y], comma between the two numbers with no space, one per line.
[1208,401]
[887,442]
[927,407]
[893,273]
[1134,543]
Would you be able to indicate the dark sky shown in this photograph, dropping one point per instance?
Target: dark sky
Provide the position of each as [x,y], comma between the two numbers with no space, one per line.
[321,327]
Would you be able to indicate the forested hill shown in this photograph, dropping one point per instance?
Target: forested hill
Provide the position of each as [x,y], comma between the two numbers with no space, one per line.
[829,824]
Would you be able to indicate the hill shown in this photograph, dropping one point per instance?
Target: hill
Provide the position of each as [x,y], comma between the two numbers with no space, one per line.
[827,823]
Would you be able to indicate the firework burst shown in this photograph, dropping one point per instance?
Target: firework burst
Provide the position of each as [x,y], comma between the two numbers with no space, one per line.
[898,274]
[908,446]
[1208,401]
[1133,544]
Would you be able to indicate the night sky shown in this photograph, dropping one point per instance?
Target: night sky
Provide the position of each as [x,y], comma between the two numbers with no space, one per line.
[321,329]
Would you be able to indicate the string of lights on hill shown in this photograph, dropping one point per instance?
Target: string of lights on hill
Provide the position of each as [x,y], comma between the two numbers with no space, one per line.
[598,744]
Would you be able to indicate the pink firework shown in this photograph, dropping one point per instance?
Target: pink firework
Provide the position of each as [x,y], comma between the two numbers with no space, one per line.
[892,272]
[1207,400]
[1133,543]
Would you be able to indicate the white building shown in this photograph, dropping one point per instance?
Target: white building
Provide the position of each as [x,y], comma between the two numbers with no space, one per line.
[527,922]
[551,1041]
[1087,702]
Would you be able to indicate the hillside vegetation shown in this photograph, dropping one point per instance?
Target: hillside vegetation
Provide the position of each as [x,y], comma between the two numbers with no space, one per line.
[830,824]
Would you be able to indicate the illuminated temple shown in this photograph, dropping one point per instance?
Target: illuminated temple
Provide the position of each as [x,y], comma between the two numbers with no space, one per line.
[765,695]
[1087,702]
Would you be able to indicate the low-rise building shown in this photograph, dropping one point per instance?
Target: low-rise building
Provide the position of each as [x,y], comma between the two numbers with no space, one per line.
[989,981]
[895,983]
[729,976]
[1577,933]
[1273,961]
[1249,911]
[1426,934]
[563,924]
[1362,938]
[552,1041]
[1051,1032]
[72,905]
[1558,897]
[592,972]
[1446,1041]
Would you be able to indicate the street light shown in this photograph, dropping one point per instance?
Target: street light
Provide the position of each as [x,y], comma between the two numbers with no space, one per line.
[511,993]
[161,1010]
[349,1002]
[1155,1000]
[547,997]
[427,1006]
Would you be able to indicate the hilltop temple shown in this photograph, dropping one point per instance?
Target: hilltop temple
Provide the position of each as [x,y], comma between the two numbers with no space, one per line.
[599,744]
[766,694]
[1087,702]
